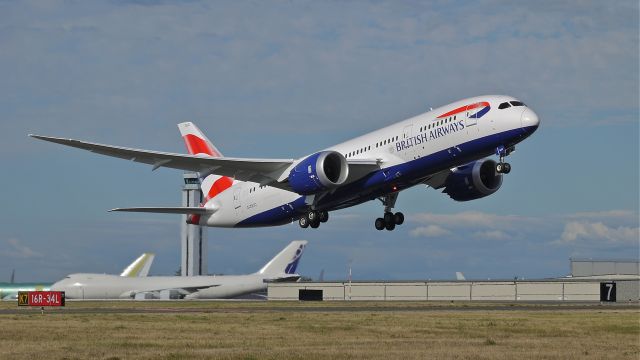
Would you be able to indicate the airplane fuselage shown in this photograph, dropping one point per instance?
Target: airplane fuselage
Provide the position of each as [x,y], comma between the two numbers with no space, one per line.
[104,286]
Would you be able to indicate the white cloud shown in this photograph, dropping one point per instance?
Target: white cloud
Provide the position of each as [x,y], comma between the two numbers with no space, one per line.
[610,214]
[492,235]
[473,219]
[597,233]
[430,231]
[581,229]
[17,250]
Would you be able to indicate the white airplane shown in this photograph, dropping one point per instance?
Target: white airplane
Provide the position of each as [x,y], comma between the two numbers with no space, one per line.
[445,148]
[102,286]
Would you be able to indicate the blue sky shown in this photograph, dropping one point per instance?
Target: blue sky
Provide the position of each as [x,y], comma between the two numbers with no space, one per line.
[284,79]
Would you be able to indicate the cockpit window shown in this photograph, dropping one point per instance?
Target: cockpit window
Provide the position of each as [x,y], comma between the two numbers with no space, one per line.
[517,103]
[504,105]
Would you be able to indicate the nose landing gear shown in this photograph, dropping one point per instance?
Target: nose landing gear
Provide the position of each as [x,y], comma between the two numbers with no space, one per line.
[390,220]
[503,167]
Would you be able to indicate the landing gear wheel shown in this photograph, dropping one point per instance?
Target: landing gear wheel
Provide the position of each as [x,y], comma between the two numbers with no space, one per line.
[507,168]
[303,222]
[389,218]
[324,216]
[313,216]
[314,225]
[499,168]
[390,226]
[398,218]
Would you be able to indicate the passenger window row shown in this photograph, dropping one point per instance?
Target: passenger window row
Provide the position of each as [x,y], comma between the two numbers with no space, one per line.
[438,123]
[367,148]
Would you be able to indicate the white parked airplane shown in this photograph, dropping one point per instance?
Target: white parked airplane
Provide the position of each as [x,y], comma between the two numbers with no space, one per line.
[445,148]
[102,286]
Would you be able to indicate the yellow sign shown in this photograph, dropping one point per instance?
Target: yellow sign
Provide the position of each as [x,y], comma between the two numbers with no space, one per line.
[23,298]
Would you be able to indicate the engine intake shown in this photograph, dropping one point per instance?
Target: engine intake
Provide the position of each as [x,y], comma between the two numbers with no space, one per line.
[319,172]
[473,181]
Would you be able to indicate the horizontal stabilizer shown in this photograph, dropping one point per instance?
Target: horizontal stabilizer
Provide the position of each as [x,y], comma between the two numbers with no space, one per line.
[168,210]
[283,278]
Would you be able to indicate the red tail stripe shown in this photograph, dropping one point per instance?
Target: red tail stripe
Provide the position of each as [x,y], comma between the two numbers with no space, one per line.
[219,186]
[193,219]
[196,145]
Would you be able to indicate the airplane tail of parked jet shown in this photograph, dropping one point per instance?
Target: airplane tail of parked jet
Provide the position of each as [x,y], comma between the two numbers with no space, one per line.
[286,262]
[140,266]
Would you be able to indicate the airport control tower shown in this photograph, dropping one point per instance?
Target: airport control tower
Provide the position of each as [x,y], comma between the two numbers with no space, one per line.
[192,237]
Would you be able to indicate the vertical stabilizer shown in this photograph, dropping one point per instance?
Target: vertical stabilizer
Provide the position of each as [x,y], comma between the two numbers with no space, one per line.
[140,266]
[286,262]
[460,276]
[198,144]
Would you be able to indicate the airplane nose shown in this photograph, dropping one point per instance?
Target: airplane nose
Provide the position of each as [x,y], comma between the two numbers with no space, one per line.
[529,119]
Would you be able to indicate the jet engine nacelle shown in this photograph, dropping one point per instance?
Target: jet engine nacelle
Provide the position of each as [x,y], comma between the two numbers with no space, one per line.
[473,181]
[319,172]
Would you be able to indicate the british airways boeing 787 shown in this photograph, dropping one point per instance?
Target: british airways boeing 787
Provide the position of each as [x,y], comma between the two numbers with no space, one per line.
[445,148]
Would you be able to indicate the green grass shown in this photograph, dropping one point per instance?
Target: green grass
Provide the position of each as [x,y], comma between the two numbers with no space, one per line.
[281,330]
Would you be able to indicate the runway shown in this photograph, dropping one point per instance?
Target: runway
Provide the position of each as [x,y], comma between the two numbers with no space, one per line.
[221,307]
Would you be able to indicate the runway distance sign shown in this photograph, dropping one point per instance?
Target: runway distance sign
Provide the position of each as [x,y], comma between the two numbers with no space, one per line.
[41,298]
[608,291]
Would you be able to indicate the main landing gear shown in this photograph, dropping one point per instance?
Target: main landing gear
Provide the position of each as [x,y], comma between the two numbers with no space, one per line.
[503,167]
[390,220]
[313,218]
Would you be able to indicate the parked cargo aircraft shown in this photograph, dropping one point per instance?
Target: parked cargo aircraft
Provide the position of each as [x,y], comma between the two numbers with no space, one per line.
[138,268]
[102,286]
[445,148]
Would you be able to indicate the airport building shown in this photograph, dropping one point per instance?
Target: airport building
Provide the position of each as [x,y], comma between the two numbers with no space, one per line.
[590,280]
[604,268]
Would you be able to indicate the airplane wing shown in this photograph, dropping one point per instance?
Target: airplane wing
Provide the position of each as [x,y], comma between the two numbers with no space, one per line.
[243,169]
[155,293]
[438,179]
[361,167]
[283,278]
[272,172]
